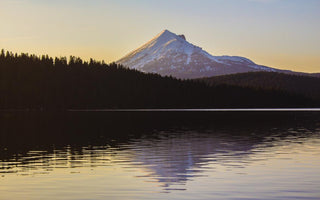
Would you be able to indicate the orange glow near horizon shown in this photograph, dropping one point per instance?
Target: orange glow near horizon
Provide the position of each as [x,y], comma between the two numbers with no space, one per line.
[274,33]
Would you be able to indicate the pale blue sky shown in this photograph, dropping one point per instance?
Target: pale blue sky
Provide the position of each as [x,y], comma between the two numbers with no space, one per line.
[279,33]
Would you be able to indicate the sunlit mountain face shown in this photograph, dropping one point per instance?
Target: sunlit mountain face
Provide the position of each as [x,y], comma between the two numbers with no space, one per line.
[171,54]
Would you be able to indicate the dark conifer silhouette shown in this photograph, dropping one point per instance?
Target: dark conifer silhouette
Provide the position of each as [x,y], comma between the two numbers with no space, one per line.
[297,84]
[45,83]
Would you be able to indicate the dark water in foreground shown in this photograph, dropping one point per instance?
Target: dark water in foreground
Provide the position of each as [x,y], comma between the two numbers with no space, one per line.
[160,155]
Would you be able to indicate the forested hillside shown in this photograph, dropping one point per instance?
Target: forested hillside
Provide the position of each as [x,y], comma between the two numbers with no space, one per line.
[295,84]
[45,83]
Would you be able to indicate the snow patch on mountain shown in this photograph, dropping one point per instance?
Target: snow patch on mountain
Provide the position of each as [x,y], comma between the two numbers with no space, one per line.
[171,54]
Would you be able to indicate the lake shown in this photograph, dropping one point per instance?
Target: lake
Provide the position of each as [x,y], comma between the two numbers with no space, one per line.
[160,155]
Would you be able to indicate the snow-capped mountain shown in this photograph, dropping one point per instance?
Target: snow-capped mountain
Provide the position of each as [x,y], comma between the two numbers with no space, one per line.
[171,54]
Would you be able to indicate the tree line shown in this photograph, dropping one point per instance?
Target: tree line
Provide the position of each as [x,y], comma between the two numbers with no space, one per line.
[29,81]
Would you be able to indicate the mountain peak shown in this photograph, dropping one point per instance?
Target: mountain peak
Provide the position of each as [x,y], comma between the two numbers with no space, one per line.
[170,35]
[170,54]
[165,31]
[166,34]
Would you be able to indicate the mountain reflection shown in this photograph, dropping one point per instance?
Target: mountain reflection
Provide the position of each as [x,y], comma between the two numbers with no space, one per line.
[175,158]
[170,153]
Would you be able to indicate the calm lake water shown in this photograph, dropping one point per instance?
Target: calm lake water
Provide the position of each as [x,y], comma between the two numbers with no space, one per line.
[159,155]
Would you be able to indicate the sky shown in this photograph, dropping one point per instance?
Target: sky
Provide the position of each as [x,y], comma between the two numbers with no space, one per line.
[284,34]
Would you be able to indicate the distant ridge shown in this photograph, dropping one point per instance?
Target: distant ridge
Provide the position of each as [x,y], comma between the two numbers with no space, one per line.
[300,85]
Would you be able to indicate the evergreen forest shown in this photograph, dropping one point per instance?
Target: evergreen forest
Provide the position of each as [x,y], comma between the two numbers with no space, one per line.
[34,82]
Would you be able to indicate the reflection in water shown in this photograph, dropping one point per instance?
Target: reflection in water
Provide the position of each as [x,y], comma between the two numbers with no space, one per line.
[175,158]
[114,156]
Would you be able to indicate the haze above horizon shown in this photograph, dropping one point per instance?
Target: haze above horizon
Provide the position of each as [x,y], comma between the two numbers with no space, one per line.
[277,33]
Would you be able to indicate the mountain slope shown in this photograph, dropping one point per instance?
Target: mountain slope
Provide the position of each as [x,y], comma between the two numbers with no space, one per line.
[171,54]
[301,85]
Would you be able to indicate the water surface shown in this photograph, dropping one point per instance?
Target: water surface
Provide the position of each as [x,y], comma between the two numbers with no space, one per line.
[152,155]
